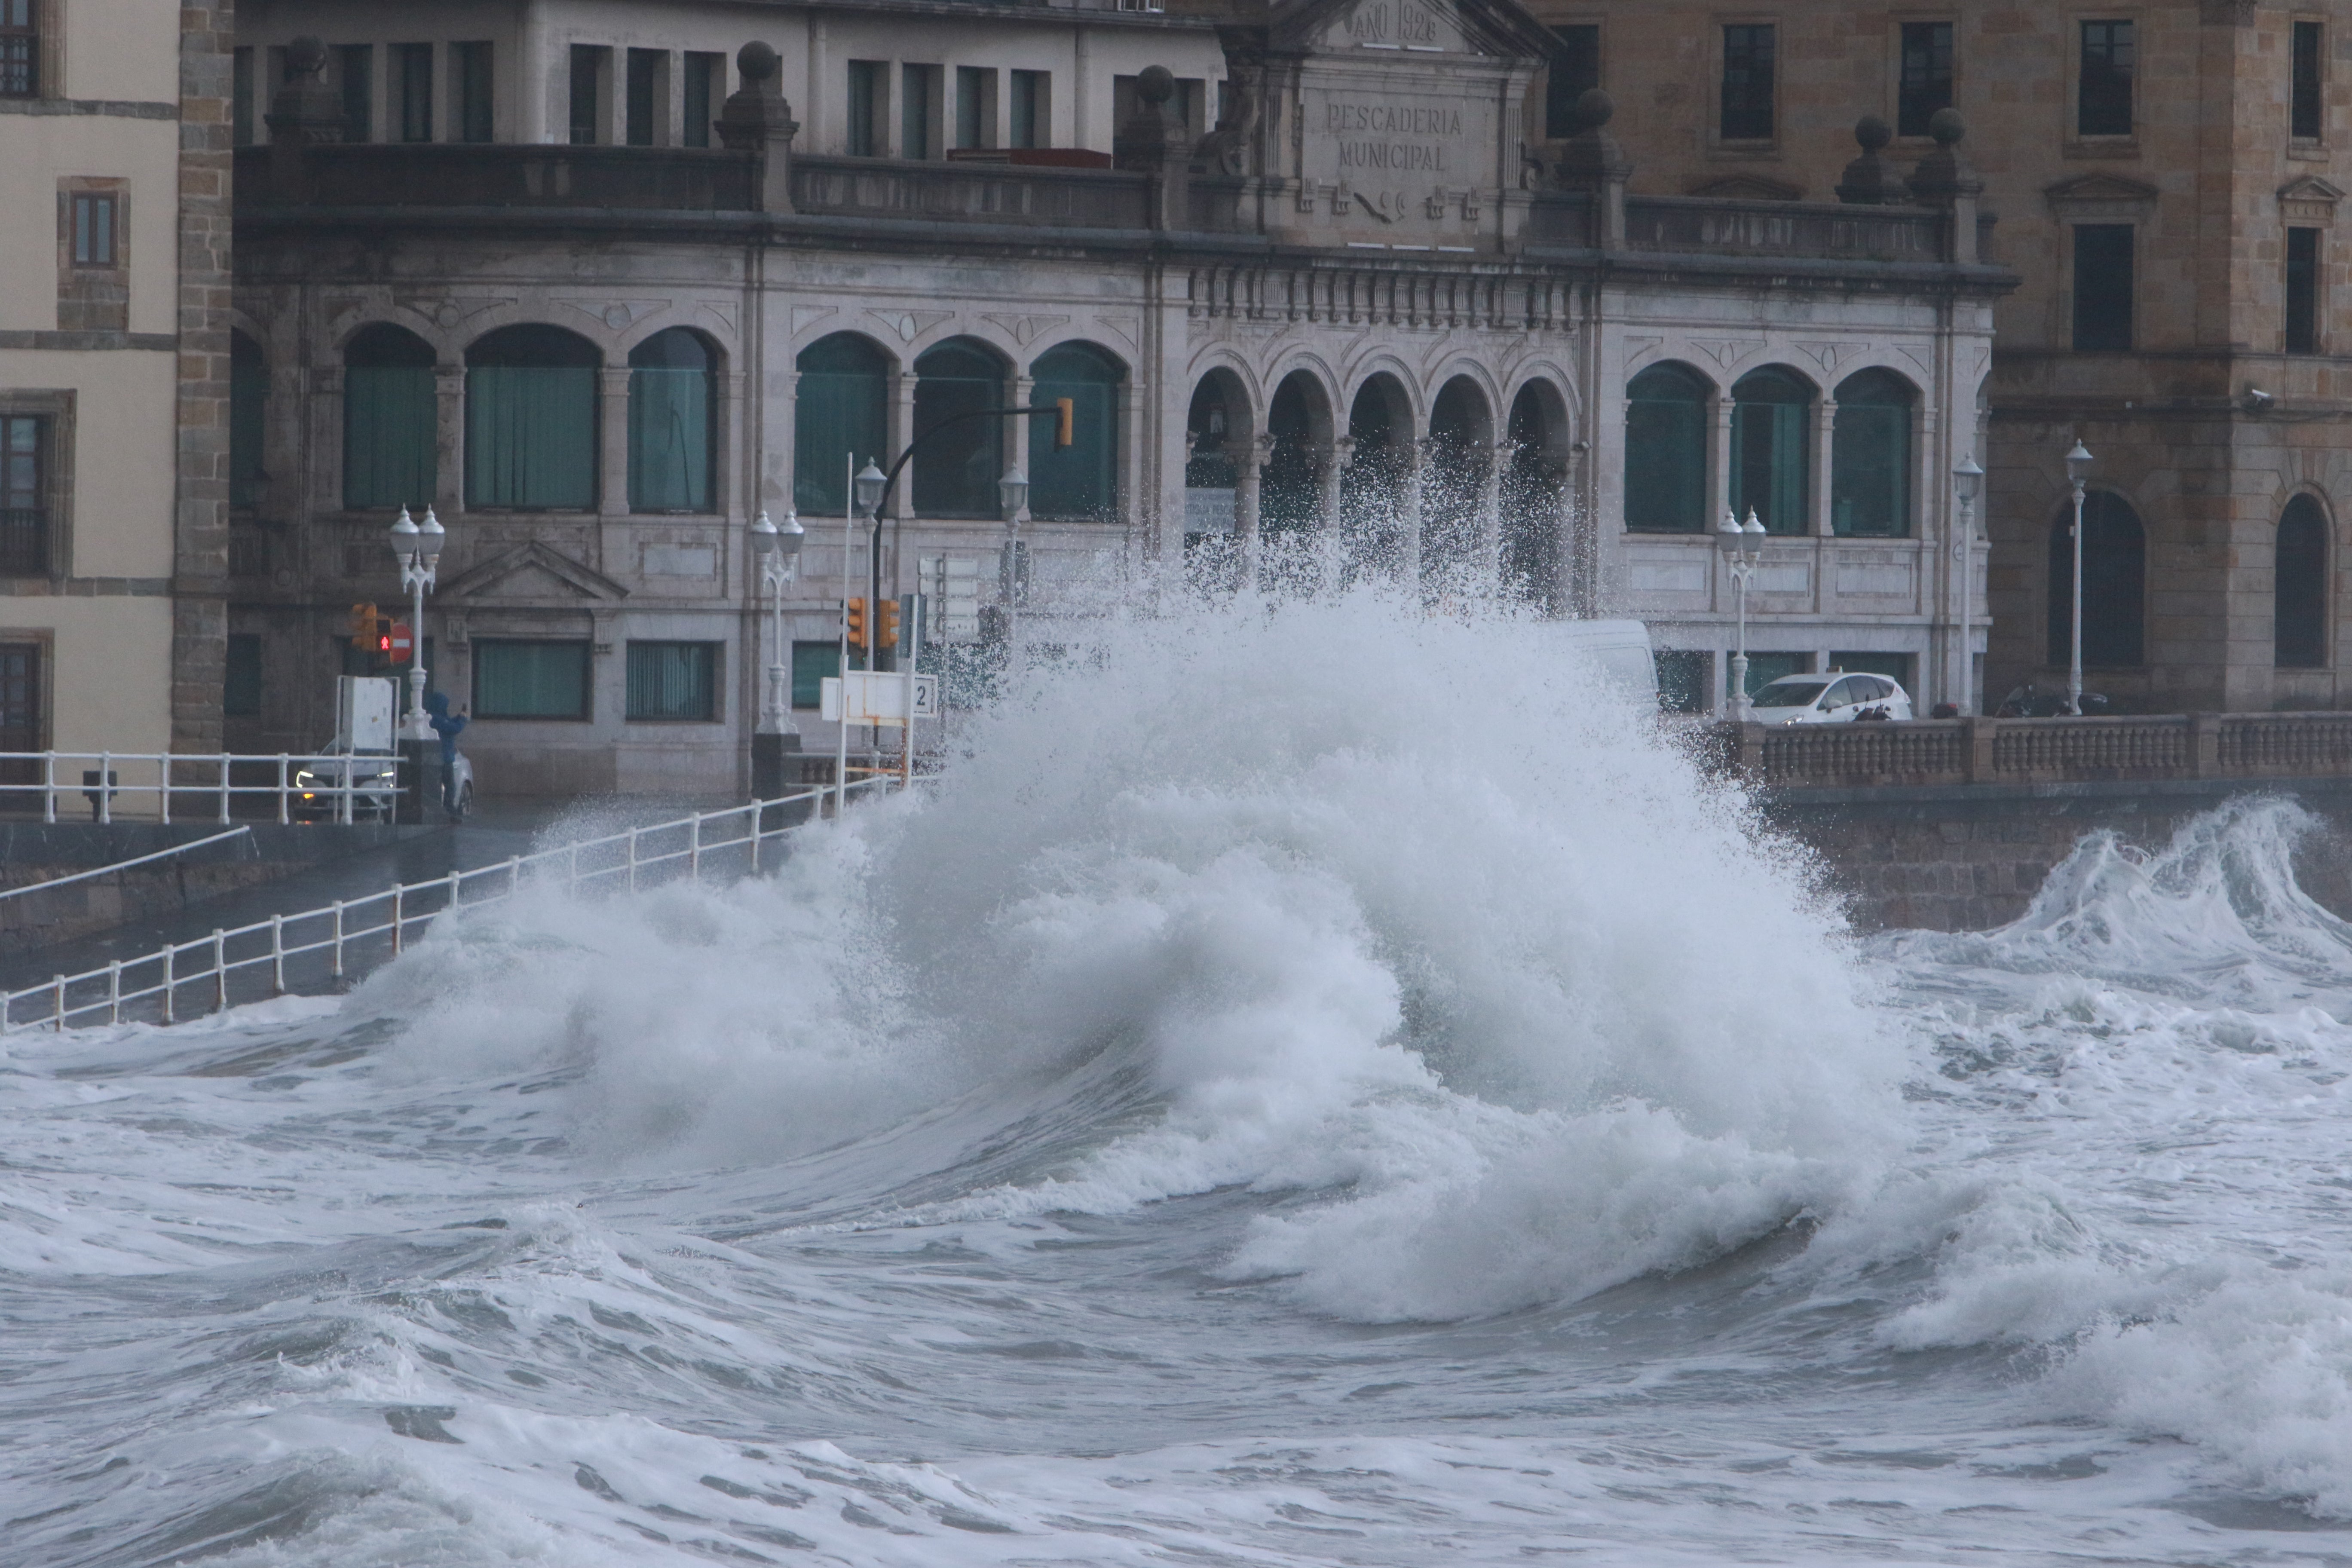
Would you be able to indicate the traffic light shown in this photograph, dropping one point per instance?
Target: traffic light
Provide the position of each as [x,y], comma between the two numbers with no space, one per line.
[858,622]
[384,634]
[1065,421]
[364,621]
[886,622]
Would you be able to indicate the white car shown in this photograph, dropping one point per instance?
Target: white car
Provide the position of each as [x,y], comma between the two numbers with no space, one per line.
[1831,696]
[375,787]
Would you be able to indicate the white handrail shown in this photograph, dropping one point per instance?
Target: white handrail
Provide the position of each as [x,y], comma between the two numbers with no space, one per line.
[338,928]
[124,865]
[155,783]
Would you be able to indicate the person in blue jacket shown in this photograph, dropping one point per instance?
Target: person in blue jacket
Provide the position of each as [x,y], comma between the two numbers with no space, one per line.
[446,725]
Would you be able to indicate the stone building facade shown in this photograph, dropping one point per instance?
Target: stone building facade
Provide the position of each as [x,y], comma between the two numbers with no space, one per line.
[1315,306]
[2165,178]
[114,375]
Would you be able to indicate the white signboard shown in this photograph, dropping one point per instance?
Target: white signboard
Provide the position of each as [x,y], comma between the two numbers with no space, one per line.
[365,706]
[879,698]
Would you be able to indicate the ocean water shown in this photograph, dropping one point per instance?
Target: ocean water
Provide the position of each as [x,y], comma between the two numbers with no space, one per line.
[1313,1084]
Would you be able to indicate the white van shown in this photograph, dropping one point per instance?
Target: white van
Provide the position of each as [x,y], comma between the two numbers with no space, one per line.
[1620,649]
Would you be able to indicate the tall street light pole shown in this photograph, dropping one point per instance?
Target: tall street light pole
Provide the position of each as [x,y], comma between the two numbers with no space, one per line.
[1968,480]
[418,547]
[1743,552]
[778,551]
[2078,464]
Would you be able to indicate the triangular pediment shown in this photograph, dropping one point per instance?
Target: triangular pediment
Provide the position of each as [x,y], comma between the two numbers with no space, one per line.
[534,571]
[2101,187]
[1495,27]
[1749,188]
[2310,188]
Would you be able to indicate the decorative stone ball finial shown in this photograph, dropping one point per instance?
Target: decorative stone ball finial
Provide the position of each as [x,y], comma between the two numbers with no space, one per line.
[1155,85]
[756,60]
[1873,132]
[306,56]
[1594,109]
[1946,127]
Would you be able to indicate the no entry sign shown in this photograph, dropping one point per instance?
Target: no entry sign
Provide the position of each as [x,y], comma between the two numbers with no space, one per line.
[403,645]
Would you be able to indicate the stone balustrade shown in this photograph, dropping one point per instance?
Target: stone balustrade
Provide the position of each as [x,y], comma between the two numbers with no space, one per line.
[501,175]
[2035,750]
[971,193]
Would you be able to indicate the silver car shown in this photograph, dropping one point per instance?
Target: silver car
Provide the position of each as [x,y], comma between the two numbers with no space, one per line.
[1831,696]
[375,778]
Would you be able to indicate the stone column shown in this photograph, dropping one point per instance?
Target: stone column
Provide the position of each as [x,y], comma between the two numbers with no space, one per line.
[1824,459]
[1331,486]
[1249,471]
[1416,456]
[1573,564]
[612,430]
[1723,485]
[1490,515]
[449,435]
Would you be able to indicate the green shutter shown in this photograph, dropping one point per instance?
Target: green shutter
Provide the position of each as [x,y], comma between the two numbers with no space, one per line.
[1078,482]
[530,436]
[673,680]
[837,413]
[1769,463]
[530,680]
[813,664]
[669,440]
[1666,463]
[389,431]
[1870,488]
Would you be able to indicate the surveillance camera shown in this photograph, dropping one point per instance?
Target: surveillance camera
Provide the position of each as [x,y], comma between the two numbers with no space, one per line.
[2257,398]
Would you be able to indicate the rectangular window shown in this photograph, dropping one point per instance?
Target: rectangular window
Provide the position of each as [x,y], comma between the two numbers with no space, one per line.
[240,113]
[1575,71]
[866,93]
[2103,286]
[93,229]
[475,119]
[1033,109]
[813,663]
[674,680]
[414,64]
[587,93]
[530,680]
[20,48]
[2303,290]
[2103,91]
[975,106]
[356,71]
[23,497]
[1747,67]
[1927,82]
[2307,119]
[918,136]
[22,726]
[241,693]
[647,68]
[1684,677]
[702,86]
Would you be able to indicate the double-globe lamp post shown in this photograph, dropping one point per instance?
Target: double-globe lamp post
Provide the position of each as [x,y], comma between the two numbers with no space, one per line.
[418,547]
[778,551]
[2078,466]
[1743,552]
[1967,483]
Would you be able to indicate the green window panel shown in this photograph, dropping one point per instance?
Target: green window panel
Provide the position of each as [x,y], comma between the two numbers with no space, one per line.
[1684,675]
[531,420]
[248,417]
[2299,587]
[1763,668]
[1870,457]
[1770,423]
[955,472]
[670,431]
[1665,451]
[391,419]
[673,680]
[530,680]
[813,663]
[1078,482]
[839,412]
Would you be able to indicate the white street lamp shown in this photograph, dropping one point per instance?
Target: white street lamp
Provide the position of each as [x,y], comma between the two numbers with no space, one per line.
[418,548]
[869,488]
[1013,490]
[779,553]
[2078,464]
[1968,480]
[1743,552]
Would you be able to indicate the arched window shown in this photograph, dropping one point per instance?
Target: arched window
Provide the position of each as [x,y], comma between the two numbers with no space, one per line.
[248,418]
[391,419]
[956,471]
[2114,551]
[1771,474]
[1665,451]
[531,420]
[1079,481]
[839,413]
[2299,586]
[1870,457]
[1291,491]
[1531,496]
[670,432]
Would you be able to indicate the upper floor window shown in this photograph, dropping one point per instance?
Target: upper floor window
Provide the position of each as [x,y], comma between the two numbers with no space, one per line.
[20,48]
[589,62]
[1032,109]
[1666,450]
[24,496]
[869,90]
[975,106]
[2306,113]
[391,419]
[1747,81]
[648,70]
[2103,90]
[414,62]
[840,419]
[956,471]
[2115,583]
[2103,286]
[1927,83]
[355,64]
[671,433]
[472,64]
[704,85]
[918,111]
[248,421]
[2299,587]
[2303,290]
[94,222]
[1080,481]
[241,97]
[1771,468]
[531,420]
[1575,71]
[1870,457]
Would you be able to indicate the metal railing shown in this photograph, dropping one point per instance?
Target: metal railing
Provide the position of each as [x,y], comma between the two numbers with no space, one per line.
[209,784]
[8,893]
[2105,749]
[321,947]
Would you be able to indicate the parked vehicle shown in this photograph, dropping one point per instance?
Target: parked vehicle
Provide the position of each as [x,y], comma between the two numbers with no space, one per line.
[2031,701]
[1619,650]
[375,783]
[1831,696]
